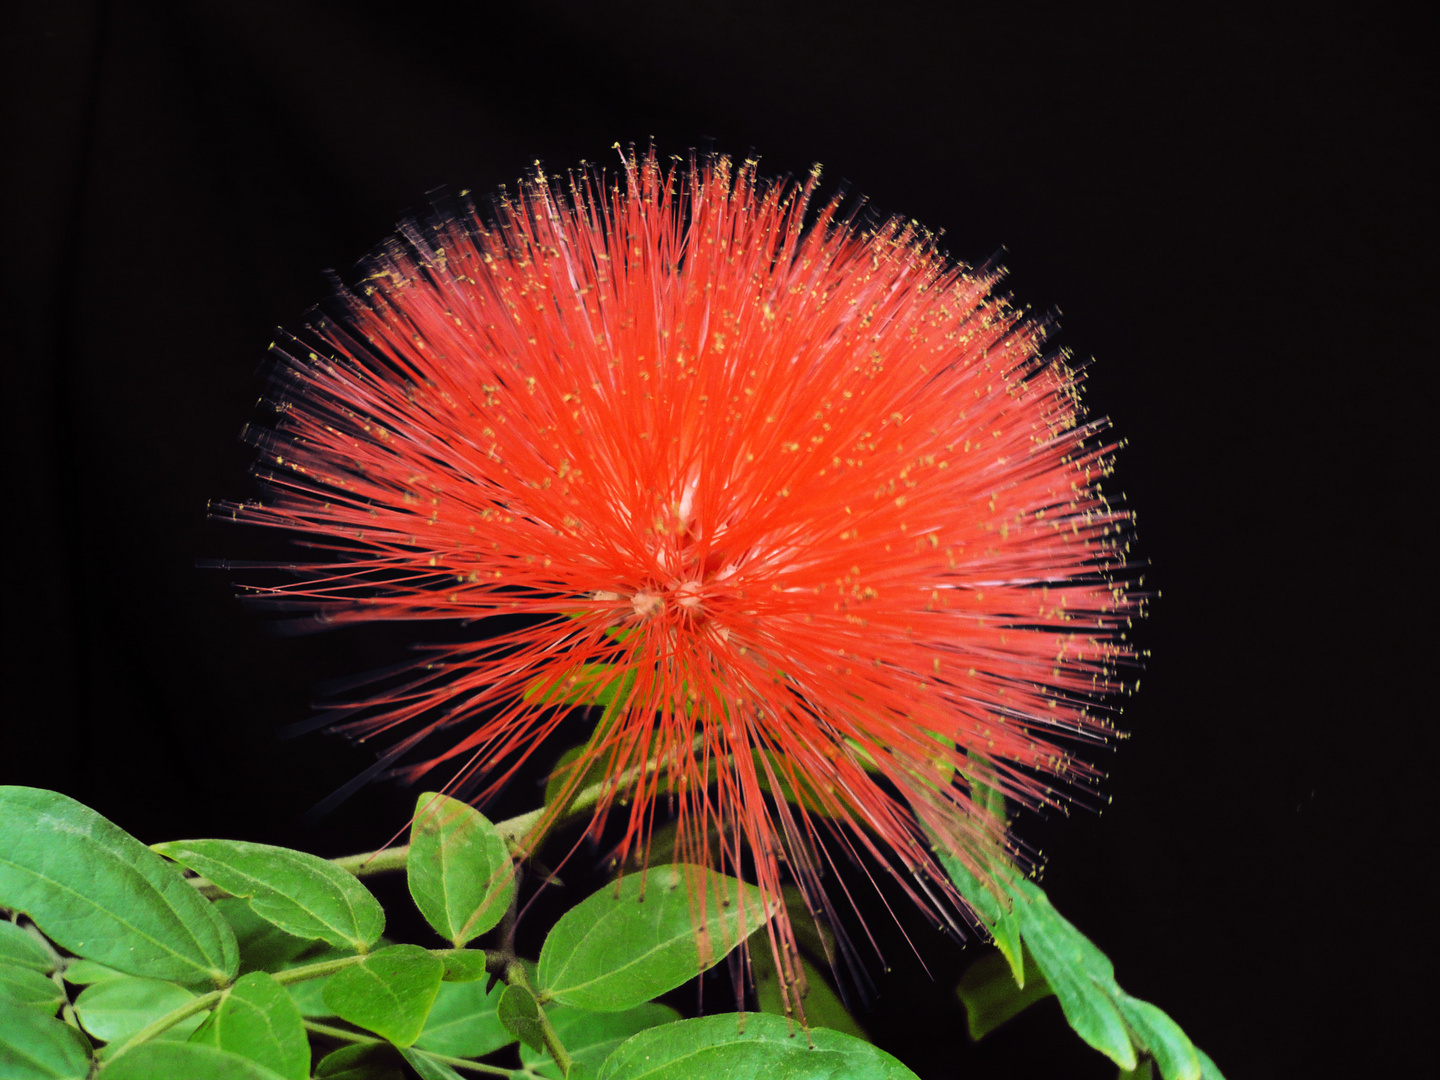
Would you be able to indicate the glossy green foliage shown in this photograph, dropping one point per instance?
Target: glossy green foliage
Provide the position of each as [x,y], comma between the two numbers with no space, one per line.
[309,995]
[590,1037]
[128,914]
[1121,1027]
[464,965]
[389,992]
[87,972]
[23,986]
[302,894]
[263,945]
[34,1046]
[363,1062]
[458,869]
[20,948]
[724,1047]
[520,1014]
[996,912]
[427,1067]
[561,775]
[97,891]
[992,996]
[257,1019]
[586,684]
[1208,1071]
[463,1021]
[116,1009]
[190,1061]
[644,935]
[821,1005]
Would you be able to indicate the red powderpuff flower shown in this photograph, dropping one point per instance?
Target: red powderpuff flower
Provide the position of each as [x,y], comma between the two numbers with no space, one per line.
[813,490]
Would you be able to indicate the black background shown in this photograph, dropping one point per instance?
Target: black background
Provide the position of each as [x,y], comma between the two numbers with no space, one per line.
[1225,201]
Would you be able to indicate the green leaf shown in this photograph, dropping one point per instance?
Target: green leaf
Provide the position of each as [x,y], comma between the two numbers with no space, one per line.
[114,1010]
[38,1047]
[458,868]
[1208,1070]
[810,935]
[309,996]
[190,1061]
[1079,973]
[821,1005]
[520,1014]
[427,1068]
[263,945]
[1005,932]
[997,915]
[364,1062]
[389,992]
[560,777]
[85,972]
[990,995]
[1081,976]
[463,1021]
[26,986]
[1088,1008]
[1161,1038]
[19,947]
[97,891]
[300,893]
[464,965]
[587,684]
[258,1020]
[718,1048]
[590,1037]
[1039,917]
[637,939]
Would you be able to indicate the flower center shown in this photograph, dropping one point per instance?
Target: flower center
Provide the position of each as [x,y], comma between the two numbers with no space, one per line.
[685,596]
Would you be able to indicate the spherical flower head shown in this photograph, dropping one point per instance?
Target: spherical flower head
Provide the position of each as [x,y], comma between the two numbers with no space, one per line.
[801,501]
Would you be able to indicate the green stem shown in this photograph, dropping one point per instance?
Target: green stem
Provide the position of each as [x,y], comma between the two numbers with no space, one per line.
[466,1063]
[511,829]
[200,1004]
[290,975]
[339,1034]
[515,976]
[342,1035]
[317,971]
[390,859]
[165,1023]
